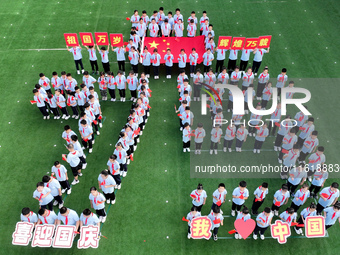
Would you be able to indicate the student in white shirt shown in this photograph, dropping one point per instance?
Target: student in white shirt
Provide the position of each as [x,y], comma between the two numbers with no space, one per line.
[93,58]
[98,203]
[104,54]
[76,52]
[28,216]
[69,217]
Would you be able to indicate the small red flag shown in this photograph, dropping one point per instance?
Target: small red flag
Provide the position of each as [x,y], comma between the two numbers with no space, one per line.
[184,219]
[33,102]
[217,221]
[127,18]
[232,232]
[284,151]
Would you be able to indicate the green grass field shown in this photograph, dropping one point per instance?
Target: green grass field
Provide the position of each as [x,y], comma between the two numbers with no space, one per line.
[305,41]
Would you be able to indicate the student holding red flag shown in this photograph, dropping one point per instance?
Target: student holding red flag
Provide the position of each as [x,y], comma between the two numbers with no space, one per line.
[135,18]
[193,61]
[216,134]
[107,184]
[153,27]
[300,119]
[260,137]
[208,57]
[319,179]
[60,172]
[309,211]
[262,82]
[168,57]
[69,217]
[194,213]
[289,216]
[88,218]
[281,81]
[300,197]
[289,140]
[86,133]
[47,217]
[247,79]
[289,161]
[114,169]
[280,198]
[199,197]
[43,195]
[284,128]
[199,136]
[263,221]
[216,221]
[60,99]
[241,136]
[98,203]
[328,196]
[45,83]
[73,159]
[121,159]
[315,161]
[39,99]
[55,188]
[146,61]
[331,214]
[219,196]
[306,130]
[260,194]
[240,195]
[202,21]
[229,137]
[186,137]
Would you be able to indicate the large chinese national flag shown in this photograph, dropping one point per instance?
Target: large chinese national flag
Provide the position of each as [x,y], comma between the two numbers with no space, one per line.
[176,44]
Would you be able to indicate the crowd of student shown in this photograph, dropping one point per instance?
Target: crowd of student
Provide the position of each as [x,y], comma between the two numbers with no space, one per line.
[327,205]
[294,143]
[49,191]
[163,25]
[292,149]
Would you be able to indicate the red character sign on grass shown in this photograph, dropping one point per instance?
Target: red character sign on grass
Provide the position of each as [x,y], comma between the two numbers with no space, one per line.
[22,234]
[64,236]
[200,228]
[280,231]
[43,235]
[315,226]
[88,237]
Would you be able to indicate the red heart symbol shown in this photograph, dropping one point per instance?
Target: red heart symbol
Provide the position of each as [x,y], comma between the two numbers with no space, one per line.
[244,228]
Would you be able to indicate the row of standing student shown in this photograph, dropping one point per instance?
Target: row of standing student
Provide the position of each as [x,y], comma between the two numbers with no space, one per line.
[148,59]
[107,179]
[328,205]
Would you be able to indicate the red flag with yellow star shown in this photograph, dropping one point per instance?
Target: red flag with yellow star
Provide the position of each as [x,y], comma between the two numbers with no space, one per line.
[176,44]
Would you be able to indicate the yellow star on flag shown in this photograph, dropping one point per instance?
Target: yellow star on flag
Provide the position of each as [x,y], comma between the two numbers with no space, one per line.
[164,40]
[153,44]
[168,44]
